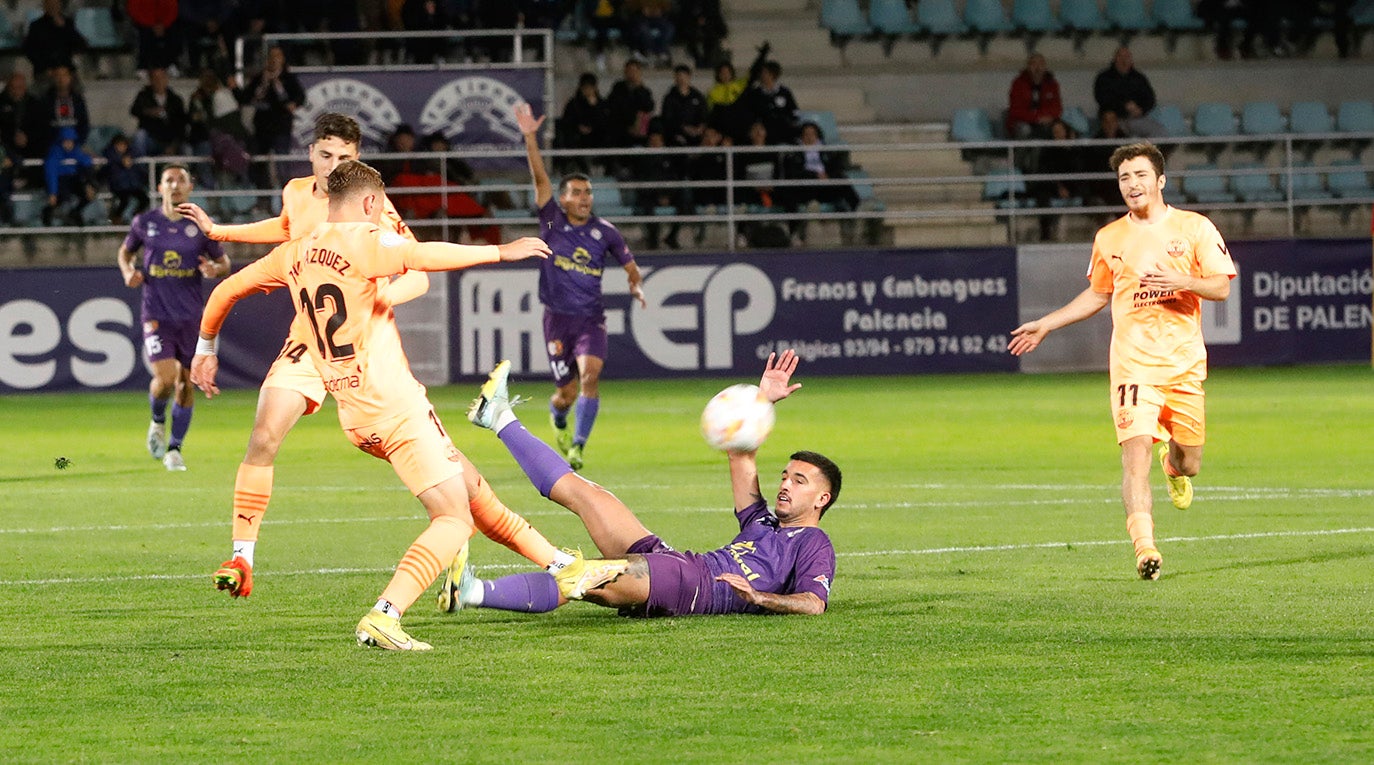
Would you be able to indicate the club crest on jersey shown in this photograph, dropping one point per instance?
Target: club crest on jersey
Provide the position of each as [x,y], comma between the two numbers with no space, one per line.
[377,116]
[152,231]
[1125,418]
[479,108]
[1177,247]
[823,581]
[192,231]
[596,234]
[555,347]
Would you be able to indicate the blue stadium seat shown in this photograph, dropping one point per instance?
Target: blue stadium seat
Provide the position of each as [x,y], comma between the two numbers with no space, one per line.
[1171,117]
[1175,17]
[99,138]
[608,201]
[1076,119]
[1207,185]
[1034,16]
[825,120]
[97,26]
[1214,119]
[1355,117]
[9,36]
[28,209]
[1348,179]
[971,125]
[986,16]
[1311,117]
[1255,186]
[1128,16]
[1307,183]
[868,200]
[844,20]
[1006,187]
[1262,118]
[1081,19]
[940,20]
[891,19]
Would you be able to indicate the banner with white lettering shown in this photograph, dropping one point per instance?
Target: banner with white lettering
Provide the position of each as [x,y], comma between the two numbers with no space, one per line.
[469,108]
[855,313]
[1298,302]
[79,328]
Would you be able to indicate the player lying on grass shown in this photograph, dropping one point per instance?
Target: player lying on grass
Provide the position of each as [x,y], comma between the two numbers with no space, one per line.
[780,562]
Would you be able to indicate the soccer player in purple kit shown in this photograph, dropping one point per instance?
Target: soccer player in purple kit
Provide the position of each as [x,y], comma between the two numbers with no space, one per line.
[780,562]
[175,256]
[570,290]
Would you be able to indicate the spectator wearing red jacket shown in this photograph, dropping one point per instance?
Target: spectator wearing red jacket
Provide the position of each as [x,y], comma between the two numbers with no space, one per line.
[1034,102]
[159,36]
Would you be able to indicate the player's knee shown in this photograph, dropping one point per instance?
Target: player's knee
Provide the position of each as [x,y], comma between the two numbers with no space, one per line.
[263,444]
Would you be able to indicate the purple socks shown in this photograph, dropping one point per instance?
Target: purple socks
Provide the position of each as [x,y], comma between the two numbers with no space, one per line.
[586,409]
[532,593]
[181,422]
[542,465]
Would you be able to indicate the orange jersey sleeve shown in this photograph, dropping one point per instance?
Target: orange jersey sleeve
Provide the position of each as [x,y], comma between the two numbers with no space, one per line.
[1157,335]
[262,275]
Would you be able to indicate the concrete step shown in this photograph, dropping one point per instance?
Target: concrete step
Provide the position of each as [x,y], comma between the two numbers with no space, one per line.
[945,234]
[800,45]
[733,9]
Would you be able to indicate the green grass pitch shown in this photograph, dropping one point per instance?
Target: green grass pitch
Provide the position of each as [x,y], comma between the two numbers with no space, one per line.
[986,607]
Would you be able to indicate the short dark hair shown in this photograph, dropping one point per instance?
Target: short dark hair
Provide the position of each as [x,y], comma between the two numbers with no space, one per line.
[1142,149]
[569,178]
[587,78]
[351,178]
[682,68]
[773,68]
[829,469]
[340,126]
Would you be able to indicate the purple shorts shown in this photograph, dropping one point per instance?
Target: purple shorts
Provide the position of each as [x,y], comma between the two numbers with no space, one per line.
[679,582]
[171,340]
[566,337]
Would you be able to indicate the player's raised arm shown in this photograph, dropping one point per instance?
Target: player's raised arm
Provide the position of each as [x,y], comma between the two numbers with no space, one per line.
[775,385]
[446,256]
[266,231]
[1028,336]
[529,127]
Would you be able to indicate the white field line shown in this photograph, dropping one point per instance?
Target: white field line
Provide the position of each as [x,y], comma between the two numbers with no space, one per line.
[867,554]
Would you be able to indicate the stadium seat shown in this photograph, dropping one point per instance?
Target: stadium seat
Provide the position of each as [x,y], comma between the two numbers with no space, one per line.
[1262,118]
[1128,17]
[1307,184]
[1076,119]
[971,126]
[608,200]
[1175,18]
[99,138]
[987,19]
[1255,186]
[1081,19]
[1348,179]
[844,20]
[891,20]
[1355,117]
[868,200]
[1006,187]
[1205,184]
[10,38]
[1310,118]
[97,26]
[940,20]
[1214,119]
[1171,118]
[1034,17]
[28,209]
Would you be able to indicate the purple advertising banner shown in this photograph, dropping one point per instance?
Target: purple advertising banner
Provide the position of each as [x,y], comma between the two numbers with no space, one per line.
[853,313]
[469,108]
[1294,302]
[79,328]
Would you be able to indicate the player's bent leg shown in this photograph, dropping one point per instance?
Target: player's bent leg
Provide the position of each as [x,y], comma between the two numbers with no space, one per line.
[612,526]
[629,588]
[1178,483]
[279,409]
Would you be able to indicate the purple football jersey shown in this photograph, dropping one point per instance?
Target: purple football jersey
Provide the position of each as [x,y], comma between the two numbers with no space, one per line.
[570,278]
[774,559]
[171,254]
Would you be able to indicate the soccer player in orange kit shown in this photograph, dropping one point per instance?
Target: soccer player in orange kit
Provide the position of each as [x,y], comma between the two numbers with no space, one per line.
[1155,266]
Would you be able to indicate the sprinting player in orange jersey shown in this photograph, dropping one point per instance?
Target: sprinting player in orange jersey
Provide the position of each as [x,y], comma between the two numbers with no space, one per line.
[333,274]
[293,387]
[1155,266]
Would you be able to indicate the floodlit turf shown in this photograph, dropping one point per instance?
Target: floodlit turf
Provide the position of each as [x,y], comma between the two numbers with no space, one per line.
[986,607]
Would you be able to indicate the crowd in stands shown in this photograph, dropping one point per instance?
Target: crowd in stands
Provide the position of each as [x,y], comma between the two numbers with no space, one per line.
[1276,27]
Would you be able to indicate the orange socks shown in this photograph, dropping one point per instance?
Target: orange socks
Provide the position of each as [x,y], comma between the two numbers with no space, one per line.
[499,524]
[428,555]
[1142,529]
[252,490]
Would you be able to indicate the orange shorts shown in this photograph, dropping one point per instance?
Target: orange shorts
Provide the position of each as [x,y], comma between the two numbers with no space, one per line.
[1163,412]
[416,445]
[293,370]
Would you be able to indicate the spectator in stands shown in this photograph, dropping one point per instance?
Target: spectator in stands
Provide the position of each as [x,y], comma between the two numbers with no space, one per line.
[724,102]
[631,105]
[159,37]
[772,103]
[1335,13]
[69,172]
[709,166]
[664,173]
[1220,17]
[652,31]
[585,123]
[161,116]
[1097,159]
[813,162]
[248,22]
[275,94]
[541,14]
[425,16]
[203,24]
[401,141]
[22,126]
[684,110]
[1057,159]
[701,26]
[215,129]
[64,106]
[52,40]
[495,14]
[1034,103]
[1123,89]
[7,168]
[604,16]
[125,180]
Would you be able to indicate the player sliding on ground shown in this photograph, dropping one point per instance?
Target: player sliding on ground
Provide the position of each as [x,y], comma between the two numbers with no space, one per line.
[780,562]
[1155,266]
[334,273]
[293,387]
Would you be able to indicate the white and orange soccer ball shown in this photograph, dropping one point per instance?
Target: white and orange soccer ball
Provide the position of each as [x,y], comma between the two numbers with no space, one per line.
[738,419]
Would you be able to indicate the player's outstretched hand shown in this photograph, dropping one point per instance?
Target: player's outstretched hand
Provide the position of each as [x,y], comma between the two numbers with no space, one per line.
[524,117]
[204,367]
[1026,337]
[741,587]
[776,375]
[194,212]
[524,247]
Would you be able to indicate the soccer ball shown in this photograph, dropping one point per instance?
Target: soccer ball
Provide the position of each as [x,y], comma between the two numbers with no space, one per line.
[737,419]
